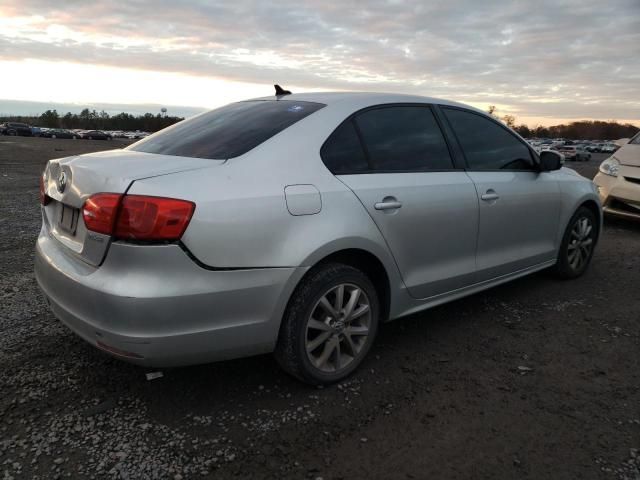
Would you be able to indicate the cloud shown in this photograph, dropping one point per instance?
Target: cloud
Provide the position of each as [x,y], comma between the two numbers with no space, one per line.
[548,58]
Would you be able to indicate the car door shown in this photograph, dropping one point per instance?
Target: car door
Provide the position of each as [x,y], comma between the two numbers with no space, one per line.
[426,209]
[519,205]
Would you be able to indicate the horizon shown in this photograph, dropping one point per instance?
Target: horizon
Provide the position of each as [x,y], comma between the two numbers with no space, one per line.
[546,64]
[36,109]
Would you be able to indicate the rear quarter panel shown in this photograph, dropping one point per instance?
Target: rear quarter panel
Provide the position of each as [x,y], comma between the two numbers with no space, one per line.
[242,221]
[241,218]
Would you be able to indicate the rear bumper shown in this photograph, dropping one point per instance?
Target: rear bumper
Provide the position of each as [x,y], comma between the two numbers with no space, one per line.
[152,305]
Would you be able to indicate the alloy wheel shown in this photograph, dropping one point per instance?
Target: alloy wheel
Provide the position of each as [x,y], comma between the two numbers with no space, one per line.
[580,243]
[338,328]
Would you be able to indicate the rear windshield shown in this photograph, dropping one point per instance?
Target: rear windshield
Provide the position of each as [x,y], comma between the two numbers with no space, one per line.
[227,132]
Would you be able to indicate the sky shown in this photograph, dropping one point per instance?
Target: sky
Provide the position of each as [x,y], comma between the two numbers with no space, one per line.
[545,62]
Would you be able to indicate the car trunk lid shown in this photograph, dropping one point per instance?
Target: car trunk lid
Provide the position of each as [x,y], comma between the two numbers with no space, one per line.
[69,182]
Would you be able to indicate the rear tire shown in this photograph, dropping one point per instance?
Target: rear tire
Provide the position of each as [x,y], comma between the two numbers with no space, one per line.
[578,243]
[329,325]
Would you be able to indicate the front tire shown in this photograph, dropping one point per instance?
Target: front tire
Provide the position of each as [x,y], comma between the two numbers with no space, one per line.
[577,245]
[329,325]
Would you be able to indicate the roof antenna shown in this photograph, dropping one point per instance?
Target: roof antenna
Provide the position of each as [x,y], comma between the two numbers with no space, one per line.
[281,91]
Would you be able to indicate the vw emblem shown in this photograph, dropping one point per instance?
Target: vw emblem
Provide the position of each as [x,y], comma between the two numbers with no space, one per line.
[62,182]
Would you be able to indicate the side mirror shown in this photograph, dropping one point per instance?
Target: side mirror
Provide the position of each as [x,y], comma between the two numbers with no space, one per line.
[551,160]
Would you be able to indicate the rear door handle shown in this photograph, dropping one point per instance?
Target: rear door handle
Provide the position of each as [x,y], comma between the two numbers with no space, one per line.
[490,195]
[388,205]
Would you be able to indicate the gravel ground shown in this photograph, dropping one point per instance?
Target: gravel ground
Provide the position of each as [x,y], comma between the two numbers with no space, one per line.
[535,379]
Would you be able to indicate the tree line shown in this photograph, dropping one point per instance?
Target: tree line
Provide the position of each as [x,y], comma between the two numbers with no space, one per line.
[579,130]
[93,120]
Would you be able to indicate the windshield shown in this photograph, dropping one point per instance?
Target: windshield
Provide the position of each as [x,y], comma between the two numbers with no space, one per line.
[227,132]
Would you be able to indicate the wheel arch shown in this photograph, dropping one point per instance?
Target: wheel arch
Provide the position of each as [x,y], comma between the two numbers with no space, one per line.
[371,266]
[577,192]
[380,269]
[593,206]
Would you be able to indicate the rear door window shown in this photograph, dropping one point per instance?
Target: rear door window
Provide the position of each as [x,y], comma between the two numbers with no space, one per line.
[487,145]
[342,153]
[227,132]
[403,138]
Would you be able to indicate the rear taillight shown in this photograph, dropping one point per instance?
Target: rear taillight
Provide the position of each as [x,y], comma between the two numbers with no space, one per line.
[99,212]
[153,218]
[137,217]
[44,198]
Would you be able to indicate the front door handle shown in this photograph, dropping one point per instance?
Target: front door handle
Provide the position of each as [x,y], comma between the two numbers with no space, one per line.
[490,195]
[388,204]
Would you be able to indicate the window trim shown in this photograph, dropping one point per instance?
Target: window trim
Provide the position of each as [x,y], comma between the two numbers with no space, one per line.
[534,155]
[352,118]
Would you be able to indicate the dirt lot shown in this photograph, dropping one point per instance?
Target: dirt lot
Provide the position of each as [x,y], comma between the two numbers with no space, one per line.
[536,379]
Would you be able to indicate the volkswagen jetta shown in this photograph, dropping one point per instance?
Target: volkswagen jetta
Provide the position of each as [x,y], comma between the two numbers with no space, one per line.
[296,224]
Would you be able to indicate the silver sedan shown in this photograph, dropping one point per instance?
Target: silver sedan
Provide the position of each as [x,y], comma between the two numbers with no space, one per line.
[296,224]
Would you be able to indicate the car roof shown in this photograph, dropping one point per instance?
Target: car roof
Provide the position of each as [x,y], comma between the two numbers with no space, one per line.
[363,99]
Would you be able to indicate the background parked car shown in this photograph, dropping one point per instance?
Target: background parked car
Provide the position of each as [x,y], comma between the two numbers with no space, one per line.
[619,181]
[15,128]
[593,148]
[95,135]
[59,133]
[582,154]
[136,135]
[569,151]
